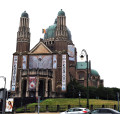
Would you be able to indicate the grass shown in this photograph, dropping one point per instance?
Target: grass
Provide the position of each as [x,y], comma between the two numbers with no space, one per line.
[64,102]
[75,101]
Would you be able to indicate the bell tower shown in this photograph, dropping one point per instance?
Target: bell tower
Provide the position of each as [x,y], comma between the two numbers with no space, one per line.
[23,34]
[22,49]
[61,37]
[61,31]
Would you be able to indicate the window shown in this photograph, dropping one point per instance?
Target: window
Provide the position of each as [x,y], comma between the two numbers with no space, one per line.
[78,109]
[70,110]
[81,75]
[95,111]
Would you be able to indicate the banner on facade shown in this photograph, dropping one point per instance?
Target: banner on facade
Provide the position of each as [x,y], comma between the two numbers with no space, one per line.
[32,83]
[9,105]
[14,72]
[63,72]
[24,62]
[54,61]
[40,61]
[71,52]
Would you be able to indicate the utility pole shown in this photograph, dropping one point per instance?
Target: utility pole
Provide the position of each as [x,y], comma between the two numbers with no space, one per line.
[82,56]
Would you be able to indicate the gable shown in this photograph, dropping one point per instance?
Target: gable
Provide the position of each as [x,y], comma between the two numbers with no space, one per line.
[40,48]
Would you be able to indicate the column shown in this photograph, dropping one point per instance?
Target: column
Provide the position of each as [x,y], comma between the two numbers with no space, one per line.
[46,87]
[53,81]
[20,84]
[27,91]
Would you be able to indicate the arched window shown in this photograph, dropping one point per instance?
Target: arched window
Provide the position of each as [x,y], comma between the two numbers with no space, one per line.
[81,75]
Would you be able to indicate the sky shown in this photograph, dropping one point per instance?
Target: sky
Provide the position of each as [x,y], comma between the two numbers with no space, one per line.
[94,25]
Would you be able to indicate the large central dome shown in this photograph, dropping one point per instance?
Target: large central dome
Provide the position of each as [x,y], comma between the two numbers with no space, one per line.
[51,30]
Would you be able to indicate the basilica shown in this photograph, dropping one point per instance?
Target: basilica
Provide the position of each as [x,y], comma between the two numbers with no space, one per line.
[47,68]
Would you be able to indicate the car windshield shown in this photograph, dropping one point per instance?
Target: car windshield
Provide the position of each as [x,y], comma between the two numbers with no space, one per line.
[77,109]
[70,110]
[74,109]
[95,111]
[87,110]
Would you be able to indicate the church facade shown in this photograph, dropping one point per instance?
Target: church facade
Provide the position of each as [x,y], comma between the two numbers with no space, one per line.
[47,68]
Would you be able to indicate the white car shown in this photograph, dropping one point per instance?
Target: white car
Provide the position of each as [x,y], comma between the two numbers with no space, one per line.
[76,111]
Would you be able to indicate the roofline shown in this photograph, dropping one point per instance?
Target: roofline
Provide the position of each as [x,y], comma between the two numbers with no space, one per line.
[37,46]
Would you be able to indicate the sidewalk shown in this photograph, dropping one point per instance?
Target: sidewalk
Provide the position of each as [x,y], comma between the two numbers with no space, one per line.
[40,113]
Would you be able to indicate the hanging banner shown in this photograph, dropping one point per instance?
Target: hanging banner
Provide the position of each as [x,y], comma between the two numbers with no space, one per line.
[71,52]
[32,83]
[54,61]
[63,72]
[9,105]
[14,73]
[40,61]
[24,62]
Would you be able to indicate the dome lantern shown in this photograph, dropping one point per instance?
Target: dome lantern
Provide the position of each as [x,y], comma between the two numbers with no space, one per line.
[61,13]
[25,14]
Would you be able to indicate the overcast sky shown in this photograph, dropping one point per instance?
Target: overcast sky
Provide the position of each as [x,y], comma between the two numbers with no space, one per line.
[94,25]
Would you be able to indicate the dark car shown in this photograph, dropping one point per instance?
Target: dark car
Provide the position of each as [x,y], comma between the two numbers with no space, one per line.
[104,111]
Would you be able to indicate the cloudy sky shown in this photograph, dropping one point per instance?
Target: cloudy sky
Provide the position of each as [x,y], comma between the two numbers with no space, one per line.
[94,25]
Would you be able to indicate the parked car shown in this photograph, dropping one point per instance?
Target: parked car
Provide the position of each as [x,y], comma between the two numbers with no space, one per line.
[104,110]
[76,111]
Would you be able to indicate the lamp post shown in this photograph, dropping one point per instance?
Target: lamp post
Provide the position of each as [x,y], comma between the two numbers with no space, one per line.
[118,99]
[82,56]
[38,103]
[4,96]
[79,97]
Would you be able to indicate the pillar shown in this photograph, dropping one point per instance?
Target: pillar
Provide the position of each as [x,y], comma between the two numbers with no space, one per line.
[46,87]
[27,91]
[20,84]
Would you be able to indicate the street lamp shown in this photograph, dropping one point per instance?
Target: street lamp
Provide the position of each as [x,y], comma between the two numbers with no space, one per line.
[4,97]
[118,99]
[79,97]
[38,103]
[82,56]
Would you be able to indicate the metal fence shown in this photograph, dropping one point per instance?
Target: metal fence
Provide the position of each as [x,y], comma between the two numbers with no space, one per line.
[58,108]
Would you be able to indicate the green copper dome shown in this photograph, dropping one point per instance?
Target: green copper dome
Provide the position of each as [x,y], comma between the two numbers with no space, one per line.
[83,66]
[50,32]
[25,14]
[61,13]
[94,72]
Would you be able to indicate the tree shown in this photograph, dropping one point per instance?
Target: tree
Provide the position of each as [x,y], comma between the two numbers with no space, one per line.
[106,93]
[92,92]
[73,89]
